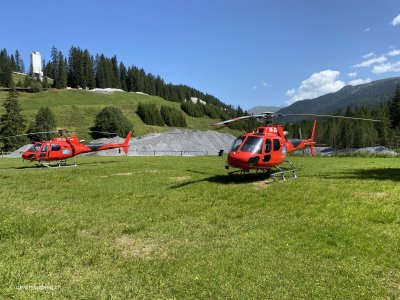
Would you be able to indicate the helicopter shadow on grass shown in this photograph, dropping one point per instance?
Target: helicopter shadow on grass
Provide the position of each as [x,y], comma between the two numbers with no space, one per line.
[389,174]
[86,164]
[224,179]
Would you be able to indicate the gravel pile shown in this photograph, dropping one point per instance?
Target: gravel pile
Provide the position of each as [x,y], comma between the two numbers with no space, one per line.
[174,142]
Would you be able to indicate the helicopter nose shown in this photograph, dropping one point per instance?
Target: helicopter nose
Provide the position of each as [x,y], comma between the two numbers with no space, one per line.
[28,156]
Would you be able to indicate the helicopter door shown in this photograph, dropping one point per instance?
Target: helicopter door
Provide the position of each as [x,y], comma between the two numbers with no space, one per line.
[44,151]
[267,150]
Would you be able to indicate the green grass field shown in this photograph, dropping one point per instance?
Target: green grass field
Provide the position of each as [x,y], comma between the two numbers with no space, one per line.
[77,109]
[180,228]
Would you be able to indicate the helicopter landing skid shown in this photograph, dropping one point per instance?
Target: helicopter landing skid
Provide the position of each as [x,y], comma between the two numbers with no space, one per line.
[282,171]
[58,164]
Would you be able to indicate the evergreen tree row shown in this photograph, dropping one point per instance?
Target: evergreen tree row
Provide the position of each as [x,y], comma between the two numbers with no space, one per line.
[167,115]
[83,70]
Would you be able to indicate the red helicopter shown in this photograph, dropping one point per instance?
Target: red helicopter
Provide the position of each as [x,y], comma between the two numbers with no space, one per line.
[266,148]
[61,148]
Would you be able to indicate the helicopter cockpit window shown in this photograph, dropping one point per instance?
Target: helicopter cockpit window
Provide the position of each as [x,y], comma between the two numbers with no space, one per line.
[45,148]
[277,145]
[55,147]
[35,148]
[268,146]
[237,143]
[252,144]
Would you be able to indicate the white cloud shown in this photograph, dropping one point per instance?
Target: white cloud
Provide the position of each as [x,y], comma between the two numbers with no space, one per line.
[352,74]
[359,81]
[386,68]
[253,88]
[394,53]
[367,30]
[369,62]
[371,54]
[316,85]
[396,21]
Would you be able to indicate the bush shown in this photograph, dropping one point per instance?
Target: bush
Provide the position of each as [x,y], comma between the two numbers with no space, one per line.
[45,120]
[111,119]
[149,114]
[212,111]
[172,117]
[36,87]
[193,110]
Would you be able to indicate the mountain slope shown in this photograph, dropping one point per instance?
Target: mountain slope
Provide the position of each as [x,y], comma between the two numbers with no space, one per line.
[369,94]
[260,109]
[77,109]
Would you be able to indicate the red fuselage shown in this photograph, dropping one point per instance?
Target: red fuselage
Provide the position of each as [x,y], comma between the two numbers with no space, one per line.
[263,149]
[61,148]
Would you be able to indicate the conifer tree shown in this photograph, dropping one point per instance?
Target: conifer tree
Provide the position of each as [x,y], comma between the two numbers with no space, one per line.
[123,76]
[12,122]
[5,69]
[394,108]
[19,62]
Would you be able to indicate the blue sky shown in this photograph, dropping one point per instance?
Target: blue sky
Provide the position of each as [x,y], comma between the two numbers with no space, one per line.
[247,52]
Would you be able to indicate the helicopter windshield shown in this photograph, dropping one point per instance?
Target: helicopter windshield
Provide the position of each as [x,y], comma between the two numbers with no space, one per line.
[35,148]
[237,143]
[252,144]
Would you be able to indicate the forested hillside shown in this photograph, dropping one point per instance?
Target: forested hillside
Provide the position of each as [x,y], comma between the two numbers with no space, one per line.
[81,69]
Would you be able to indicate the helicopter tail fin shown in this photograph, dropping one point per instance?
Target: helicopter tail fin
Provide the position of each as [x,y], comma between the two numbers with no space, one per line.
[313,131]
[125,145]
[312,138]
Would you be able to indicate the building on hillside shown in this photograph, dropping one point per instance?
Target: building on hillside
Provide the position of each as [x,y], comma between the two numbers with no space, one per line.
[36,64]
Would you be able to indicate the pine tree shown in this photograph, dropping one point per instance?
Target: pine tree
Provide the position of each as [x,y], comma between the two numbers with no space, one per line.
[60,82]
[76,68]
[88,63]
[116,82]
[12,122]
[19,62]
[5,69]
[123,76]
[394,108]
[53,69]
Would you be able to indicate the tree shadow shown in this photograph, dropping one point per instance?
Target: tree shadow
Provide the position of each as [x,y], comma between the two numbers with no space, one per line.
[392,174]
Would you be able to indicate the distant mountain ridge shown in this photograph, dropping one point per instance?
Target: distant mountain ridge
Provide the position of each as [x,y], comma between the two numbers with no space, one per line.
[260,109]
[369,94]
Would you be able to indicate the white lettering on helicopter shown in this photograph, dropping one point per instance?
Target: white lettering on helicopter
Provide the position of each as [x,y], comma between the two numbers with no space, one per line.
[273,129]
[60,139]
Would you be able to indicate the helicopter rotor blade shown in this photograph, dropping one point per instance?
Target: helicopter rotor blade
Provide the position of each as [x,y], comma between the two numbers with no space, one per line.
[104,132]
[27,134]
[325,116]
[223,123]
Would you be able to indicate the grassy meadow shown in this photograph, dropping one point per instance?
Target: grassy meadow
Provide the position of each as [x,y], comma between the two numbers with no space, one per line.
[77,109]
[181,228]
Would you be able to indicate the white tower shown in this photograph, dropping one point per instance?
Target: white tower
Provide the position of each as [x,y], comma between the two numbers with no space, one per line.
[36,63]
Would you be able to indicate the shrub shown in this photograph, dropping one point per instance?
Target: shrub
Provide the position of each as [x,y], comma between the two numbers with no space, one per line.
[150,114]
[45,120]
[172,117]
[193,110]
[111,119]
